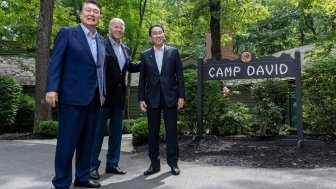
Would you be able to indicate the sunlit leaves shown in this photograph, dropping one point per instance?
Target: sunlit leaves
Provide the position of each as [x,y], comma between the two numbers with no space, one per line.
[20,18]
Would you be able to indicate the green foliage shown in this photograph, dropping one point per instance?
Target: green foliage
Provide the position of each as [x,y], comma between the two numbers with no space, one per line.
[186,21]
[319,94]
[20,20]
[236,120]
[127,126]
[188,115]
[220,115]
[10,92]
[136,28]
[292,23]
[214,103]
[271,100]
[140,131]
[287,130]
[182,128]
[63,16]
[26,112]
[48,128]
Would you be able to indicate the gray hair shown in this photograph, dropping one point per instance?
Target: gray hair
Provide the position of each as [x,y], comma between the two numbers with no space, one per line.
[113,20]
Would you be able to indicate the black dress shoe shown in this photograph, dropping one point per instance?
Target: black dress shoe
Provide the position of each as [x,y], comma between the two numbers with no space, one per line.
[115,170]
[87,184]
[152,170]
[175,170]
[95,175]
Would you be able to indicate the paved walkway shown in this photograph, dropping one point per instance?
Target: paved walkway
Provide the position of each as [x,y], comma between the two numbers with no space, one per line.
[28,164]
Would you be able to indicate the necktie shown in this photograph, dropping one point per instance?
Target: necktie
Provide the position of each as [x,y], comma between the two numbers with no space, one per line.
[120,56]
[93,47]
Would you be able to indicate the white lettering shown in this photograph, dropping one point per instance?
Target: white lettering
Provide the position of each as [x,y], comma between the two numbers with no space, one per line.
[211,70]
[228,71]
[236,69]
[219,73]
[283,69]
[250,70]
[269,71]
[260,70]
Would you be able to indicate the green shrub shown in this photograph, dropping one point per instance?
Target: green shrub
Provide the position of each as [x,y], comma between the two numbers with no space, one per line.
[214,104]
[48,128]
[140,131]
[188,115]
[26,112]
[237,120]
[127,126]
[182,128]
[287,130]
[319,94]
[10,91]
[271,96]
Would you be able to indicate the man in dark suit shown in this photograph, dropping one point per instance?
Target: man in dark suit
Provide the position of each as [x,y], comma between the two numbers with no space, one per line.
[76,81]
[161,87]
[118,62]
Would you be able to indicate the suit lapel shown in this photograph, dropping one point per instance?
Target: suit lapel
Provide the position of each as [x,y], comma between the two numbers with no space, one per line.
[127,56]
[165,57]
[82,39]
[111,50]
[101,50]
[101,65]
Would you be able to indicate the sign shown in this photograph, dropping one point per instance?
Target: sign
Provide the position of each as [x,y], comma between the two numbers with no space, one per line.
[247,68]
[227,71]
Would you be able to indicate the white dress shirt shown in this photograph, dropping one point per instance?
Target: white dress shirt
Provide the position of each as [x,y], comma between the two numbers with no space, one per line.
[119,53]
[159,57]
[92,40]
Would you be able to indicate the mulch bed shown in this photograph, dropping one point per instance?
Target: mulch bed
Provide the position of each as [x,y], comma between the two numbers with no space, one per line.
[247,151]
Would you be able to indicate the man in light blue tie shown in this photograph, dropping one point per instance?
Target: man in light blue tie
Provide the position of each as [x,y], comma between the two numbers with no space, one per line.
[118,62]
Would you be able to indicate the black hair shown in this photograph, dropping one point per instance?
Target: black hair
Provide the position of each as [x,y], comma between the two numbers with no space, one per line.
[153,26]
[95,2]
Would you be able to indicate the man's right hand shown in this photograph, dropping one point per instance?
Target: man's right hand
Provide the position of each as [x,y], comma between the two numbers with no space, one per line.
[51,98]
[143,106]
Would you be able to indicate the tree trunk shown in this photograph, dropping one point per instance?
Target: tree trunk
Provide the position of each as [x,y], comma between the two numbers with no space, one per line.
[215,8]
[42,110]
[142,8]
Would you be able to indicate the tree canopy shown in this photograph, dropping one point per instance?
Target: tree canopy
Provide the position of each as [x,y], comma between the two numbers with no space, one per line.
[292,23]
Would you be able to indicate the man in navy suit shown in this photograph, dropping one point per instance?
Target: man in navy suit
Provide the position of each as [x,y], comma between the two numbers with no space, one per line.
[161,87]
[118,62]
[76,82]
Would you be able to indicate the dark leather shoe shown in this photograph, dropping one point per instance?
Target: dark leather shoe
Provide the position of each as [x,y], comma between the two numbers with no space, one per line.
[152,170]
[95,175]
[87,184]
[115,170]
[175,170]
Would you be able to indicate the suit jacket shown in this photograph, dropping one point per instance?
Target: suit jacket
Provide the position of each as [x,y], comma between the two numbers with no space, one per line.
[115,78]
[72,71]
[170,82]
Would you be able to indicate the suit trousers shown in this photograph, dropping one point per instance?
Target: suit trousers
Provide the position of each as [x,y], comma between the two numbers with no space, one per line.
[75,133]
[154,121]
[114,141]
